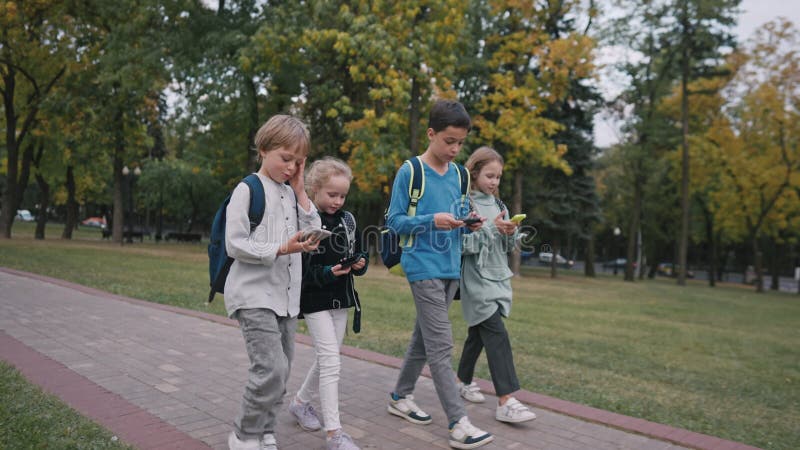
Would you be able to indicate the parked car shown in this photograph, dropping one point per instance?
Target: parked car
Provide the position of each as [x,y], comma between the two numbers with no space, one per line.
[99,222]
[670,270]
[24,215]
[618,263]
[545,258]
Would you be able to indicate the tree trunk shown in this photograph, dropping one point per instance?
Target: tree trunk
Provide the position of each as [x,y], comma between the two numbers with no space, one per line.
[757,257]
[554,260]
[413,117]
[118,213]
[160,228]
[683,244]
[251,164]
[636,214]
[72,205]
[641,257]
[712,248]
[10,196]
[775,283]
[588,268]
[516,208]
[44,204]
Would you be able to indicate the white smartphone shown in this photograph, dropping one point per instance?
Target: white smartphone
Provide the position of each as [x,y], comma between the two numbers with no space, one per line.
[317,233]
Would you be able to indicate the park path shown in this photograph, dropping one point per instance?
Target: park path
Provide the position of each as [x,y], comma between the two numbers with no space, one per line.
[163,377]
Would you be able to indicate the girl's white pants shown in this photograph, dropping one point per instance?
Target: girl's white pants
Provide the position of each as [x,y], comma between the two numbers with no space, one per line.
[327,329]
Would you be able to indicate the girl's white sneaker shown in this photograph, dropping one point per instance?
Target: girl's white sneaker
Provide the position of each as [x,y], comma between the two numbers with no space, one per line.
[471,392]
[513,412]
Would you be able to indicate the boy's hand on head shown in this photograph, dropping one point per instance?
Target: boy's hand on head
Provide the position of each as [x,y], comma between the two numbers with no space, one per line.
[298,179]
[338,271]
[506,227]
[446,221]
[297,182]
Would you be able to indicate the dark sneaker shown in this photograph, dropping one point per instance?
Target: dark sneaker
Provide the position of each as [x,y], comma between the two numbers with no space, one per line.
[306,416]
[465,435]
[406,408]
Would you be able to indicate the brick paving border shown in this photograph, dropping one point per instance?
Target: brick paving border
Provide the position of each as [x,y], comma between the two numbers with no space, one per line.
[133,425]
[655,430]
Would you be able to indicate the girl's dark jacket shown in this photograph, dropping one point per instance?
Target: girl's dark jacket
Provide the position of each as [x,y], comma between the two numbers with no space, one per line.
[322,290]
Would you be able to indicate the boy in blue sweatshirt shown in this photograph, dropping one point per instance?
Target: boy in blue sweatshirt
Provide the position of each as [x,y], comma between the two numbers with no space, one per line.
[432,264]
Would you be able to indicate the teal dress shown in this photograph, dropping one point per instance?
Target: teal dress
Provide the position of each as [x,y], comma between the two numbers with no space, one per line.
[485,275]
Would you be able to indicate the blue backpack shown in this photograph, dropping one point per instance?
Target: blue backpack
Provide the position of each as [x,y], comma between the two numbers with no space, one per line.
[219,263]
[391,245]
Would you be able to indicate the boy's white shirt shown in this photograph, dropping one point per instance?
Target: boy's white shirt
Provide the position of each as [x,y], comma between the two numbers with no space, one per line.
[258,277]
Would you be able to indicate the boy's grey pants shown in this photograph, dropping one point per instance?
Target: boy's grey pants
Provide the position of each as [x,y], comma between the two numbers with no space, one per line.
[432,342]
[270,345]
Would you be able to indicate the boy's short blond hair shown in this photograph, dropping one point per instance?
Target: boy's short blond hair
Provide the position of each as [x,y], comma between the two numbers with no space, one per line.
[322,170]
[284,131]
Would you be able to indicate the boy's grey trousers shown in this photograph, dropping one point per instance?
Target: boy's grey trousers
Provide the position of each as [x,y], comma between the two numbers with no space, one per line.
[432,342]
[270,345]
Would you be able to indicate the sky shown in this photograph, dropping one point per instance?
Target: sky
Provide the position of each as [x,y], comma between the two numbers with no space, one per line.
[754,14]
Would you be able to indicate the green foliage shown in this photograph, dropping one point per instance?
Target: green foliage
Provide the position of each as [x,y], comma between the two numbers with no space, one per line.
[186,192]
[33,419]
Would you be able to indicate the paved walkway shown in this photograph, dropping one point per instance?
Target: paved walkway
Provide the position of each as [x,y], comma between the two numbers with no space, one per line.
[171,378]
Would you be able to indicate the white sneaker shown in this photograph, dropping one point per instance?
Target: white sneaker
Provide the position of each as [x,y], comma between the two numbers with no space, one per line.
[471,392]
[513,412]
[465,435]
[234,443]
[340,441]
[406,408]
[306,415]
[268,442]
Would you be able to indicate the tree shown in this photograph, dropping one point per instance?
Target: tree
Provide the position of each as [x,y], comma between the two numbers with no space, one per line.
[185,191]
[530,70]
[129,66]
[755,147]
[35,44]
[701,31]
[570,201]
[647,135]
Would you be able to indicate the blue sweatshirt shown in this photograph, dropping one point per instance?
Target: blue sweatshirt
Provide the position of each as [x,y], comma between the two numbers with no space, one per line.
[434,253]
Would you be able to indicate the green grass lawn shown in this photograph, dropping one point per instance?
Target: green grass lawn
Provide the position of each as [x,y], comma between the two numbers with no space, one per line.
[722,361]
[29,418]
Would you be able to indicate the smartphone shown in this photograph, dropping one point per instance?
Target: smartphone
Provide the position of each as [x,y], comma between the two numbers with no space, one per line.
[470,220]
[518,218]
[317,233]
[349,261]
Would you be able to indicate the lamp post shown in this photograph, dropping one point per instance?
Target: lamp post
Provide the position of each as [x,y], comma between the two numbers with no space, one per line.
[617,233]
[130,177]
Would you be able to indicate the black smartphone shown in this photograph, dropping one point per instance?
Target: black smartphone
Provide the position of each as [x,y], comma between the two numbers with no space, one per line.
[349,261]
[470,220]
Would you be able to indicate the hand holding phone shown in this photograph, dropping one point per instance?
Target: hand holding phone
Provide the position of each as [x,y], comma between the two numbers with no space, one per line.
[317,234]
[471,220]
[518,218]
[349,260]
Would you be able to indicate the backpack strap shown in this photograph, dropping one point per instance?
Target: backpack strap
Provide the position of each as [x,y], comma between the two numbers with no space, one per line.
[464,181]
[500,204]
[350,226]
[257,200]
[416,188]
